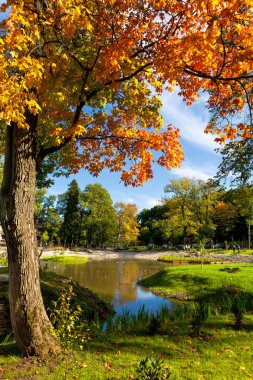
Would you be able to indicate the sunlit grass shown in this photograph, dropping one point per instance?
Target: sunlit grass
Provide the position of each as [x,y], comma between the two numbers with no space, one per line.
[220,353]
[66,259]
[195,280]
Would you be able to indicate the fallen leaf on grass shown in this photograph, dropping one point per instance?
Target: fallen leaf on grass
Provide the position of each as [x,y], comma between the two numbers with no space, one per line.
[83,365]
[108,365]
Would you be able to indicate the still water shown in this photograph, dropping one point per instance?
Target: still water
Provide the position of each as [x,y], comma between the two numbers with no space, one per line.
[116,281]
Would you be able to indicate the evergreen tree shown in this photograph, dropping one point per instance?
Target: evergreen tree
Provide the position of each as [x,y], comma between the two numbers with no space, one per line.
[71,227]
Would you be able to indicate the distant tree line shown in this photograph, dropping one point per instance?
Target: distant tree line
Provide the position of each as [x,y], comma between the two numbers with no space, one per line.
[85,218]
[191,212]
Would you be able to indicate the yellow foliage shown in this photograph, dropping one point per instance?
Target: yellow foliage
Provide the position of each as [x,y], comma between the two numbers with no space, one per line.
[92,72]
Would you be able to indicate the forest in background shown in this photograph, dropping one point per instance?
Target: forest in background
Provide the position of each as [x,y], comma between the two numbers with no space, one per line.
[192,212]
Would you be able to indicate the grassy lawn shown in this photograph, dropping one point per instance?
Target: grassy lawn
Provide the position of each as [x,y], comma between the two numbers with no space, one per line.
[220,354]
[194,280]
[243,252]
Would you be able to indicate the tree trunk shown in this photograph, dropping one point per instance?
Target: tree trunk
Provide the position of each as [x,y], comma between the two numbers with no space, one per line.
[249,234]
[31,326]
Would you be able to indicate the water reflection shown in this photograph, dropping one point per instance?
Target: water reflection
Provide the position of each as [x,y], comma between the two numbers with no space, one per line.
[116,282]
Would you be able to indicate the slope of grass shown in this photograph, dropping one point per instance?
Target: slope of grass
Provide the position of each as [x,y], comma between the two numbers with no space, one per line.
[196,281]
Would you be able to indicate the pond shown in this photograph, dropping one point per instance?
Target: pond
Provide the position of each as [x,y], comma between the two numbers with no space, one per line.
[116,281]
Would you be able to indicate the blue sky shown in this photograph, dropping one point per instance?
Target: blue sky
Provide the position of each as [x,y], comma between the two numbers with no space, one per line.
[200,162]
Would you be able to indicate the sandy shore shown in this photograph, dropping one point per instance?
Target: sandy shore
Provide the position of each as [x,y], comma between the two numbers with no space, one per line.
[108,255]
[147,255]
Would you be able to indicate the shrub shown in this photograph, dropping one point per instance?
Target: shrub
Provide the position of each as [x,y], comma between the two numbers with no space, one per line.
[152,369]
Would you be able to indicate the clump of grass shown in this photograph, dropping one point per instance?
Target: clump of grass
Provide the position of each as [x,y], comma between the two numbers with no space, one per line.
[65,259]
[146,322]
[228,299]
[184,259]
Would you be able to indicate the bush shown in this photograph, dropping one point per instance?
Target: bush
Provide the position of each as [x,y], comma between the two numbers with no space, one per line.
[152,369]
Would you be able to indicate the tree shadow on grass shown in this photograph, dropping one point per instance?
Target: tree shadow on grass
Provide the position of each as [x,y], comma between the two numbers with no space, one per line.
[9,348]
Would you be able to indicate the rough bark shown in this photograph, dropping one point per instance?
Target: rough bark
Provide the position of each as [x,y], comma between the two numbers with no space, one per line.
[31,326]
[249,234]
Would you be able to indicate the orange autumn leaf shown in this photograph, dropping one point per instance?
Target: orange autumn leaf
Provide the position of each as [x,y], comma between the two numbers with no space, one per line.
[90,75]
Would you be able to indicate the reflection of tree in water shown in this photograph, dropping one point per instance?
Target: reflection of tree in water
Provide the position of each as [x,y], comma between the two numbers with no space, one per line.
[114,281]
[128,276]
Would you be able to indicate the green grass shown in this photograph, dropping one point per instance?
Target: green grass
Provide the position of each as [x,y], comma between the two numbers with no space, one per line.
[66,259]
[220,354]
[182,259]
[243,252]
[3,260]
[196,281]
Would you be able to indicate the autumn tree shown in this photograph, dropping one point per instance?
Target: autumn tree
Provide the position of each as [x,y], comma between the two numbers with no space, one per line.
[80,84]
[127,230]
[204,197]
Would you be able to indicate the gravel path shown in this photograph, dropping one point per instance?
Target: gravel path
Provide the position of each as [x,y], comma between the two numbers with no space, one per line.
[147,255]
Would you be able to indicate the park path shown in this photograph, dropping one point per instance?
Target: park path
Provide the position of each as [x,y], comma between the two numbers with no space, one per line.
[96,254]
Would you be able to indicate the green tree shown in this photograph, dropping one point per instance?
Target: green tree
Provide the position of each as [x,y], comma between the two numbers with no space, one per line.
[191,208]
[243,198]
[47,218]
[181,191]
[99,217]
[70,206]
[225,217]
[237,162]
[155,227]
[51,220]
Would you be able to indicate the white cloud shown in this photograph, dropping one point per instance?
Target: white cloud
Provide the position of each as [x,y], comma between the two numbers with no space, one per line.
[194,172]
[147,201]
[142,200]
[190,120]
